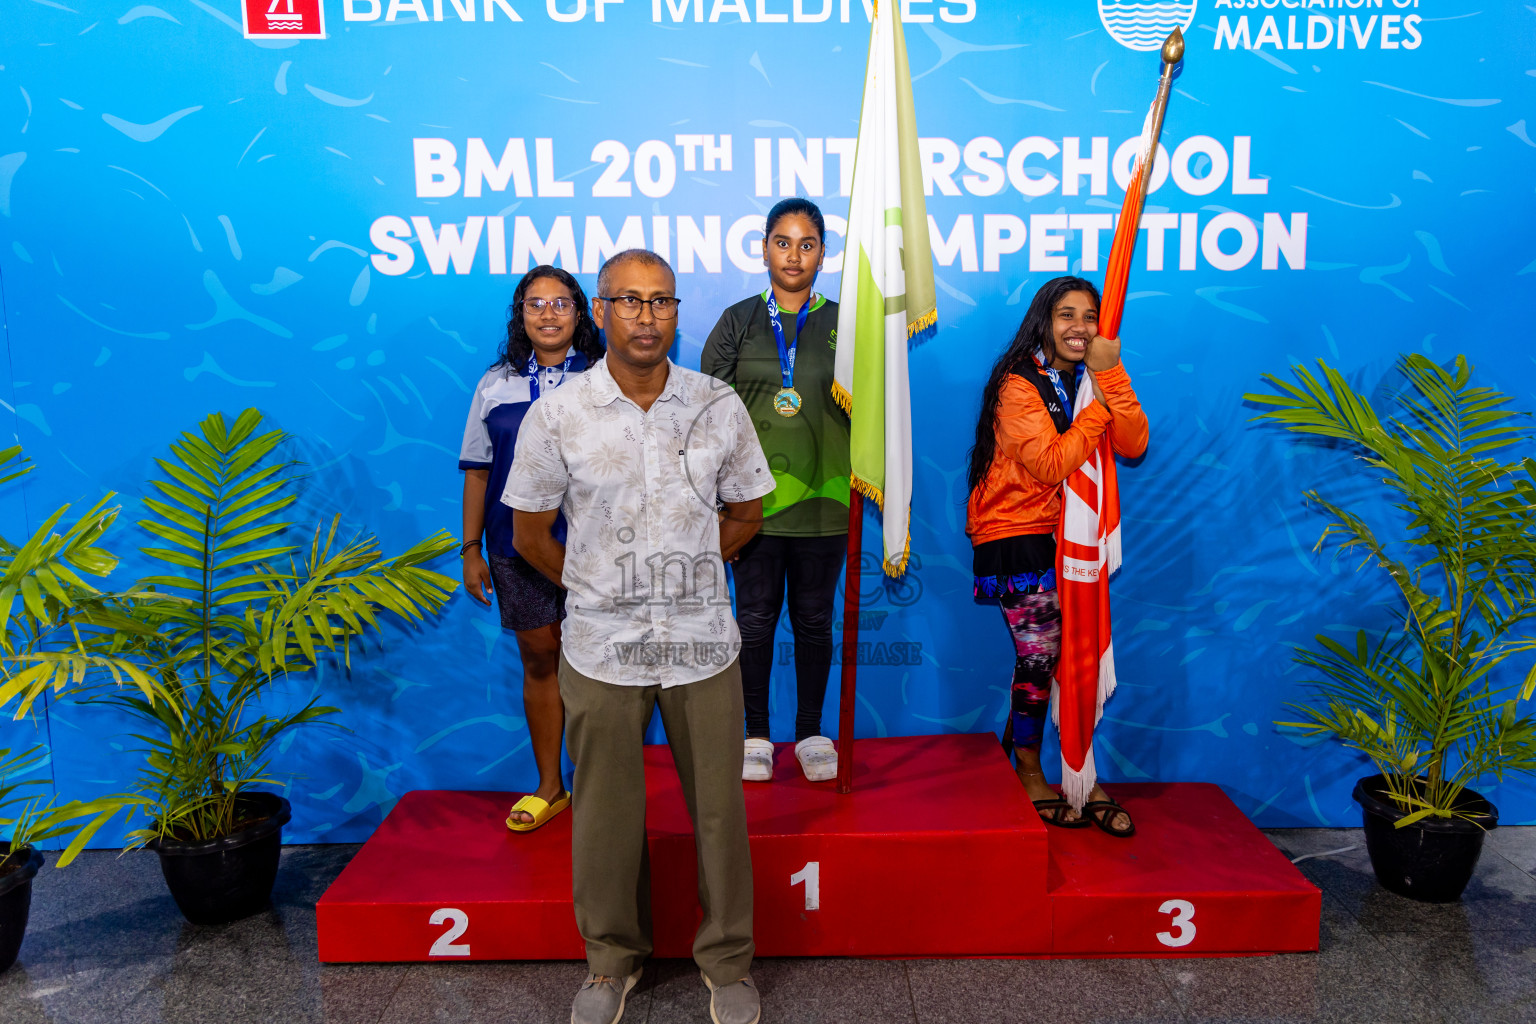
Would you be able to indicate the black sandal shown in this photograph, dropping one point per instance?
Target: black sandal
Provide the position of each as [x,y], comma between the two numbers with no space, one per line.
[1099,812]
[1059,807]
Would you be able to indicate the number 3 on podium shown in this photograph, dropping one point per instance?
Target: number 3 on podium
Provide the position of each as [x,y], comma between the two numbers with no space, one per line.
[1183,922]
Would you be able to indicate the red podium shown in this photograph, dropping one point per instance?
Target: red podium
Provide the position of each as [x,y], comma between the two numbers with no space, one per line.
[937,852]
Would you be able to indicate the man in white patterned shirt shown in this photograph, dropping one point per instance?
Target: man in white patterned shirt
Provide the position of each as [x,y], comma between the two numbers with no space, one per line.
[640,454]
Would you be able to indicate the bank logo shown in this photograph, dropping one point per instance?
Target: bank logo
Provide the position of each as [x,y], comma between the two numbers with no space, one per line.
[287,19]
[1144,26]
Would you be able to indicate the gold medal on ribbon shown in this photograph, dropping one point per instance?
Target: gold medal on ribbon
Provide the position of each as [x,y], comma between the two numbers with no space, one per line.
[787,402]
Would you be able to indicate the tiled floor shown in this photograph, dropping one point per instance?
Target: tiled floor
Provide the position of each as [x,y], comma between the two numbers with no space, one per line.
[107,944]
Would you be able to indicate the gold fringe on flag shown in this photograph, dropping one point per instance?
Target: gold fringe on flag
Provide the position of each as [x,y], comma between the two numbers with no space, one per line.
[923,325]
[843,399]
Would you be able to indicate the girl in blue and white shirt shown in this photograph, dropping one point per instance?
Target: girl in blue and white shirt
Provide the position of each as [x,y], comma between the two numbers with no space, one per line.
[551,340]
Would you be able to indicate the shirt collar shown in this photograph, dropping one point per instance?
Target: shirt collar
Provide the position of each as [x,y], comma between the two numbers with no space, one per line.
[603,389]
[817,299]
[1048,369]
[578,362]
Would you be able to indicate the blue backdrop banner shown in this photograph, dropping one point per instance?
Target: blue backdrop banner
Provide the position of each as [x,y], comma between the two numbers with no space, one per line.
[320,208]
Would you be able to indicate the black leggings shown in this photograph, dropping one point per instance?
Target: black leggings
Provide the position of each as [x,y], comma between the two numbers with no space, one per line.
[810,566]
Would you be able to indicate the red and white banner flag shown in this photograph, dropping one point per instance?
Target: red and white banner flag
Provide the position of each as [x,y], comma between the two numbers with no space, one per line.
[1087,553]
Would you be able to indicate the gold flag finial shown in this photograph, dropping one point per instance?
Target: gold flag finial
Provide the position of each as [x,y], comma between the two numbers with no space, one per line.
[1173,48]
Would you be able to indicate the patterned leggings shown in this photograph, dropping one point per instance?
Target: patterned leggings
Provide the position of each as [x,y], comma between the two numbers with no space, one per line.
[1034,620]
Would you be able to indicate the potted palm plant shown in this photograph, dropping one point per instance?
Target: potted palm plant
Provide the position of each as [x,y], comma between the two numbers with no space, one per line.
[233,611]
[25,823]
[41,585]
[19,859]
[1434,703]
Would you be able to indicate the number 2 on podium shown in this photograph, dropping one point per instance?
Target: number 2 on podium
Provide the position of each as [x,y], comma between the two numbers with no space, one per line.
[458,923]
[1183,923]
[811,876]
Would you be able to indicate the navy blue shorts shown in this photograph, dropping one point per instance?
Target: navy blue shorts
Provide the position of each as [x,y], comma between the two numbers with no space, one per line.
[527,598]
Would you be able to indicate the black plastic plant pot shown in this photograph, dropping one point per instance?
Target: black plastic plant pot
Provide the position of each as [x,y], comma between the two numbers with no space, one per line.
[1431,860]
[15,902]
[215,881]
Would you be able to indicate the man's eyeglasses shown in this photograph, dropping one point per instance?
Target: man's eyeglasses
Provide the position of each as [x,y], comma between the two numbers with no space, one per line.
[562,306]
[663,307]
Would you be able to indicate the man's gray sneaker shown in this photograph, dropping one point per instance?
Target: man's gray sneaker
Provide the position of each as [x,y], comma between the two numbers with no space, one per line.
[601,1001]
[736,1003]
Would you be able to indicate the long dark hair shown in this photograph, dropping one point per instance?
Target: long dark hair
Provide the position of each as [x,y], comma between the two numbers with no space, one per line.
[517,348]
[1032,338]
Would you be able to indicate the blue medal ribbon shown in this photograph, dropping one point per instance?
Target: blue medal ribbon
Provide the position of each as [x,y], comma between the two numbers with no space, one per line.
[1055,375]
[1061,391]
[787,401]
[534,370]
[786,349]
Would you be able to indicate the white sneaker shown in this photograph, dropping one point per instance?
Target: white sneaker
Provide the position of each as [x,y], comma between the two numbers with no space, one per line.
[817,757]
[757,761]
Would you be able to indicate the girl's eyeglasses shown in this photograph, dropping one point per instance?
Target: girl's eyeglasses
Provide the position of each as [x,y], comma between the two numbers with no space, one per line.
[562,307]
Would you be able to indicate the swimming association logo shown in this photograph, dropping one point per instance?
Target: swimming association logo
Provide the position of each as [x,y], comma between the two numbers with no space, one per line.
[1144,26]
[286,19]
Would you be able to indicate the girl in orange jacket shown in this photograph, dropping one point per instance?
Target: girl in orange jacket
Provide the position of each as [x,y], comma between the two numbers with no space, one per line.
[1027,444]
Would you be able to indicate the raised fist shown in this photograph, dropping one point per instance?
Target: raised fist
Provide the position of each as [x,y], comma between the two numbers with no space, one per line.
[1103,353]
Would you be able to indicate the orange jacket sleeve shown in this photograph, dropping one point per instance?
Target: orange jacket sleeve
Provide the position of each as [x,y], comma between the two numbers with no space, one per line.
[1026,434]
[1128,427]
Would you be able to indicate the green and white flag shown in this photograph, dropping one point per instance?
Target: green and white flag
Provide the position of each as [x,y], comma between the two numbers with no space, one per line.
[887,298]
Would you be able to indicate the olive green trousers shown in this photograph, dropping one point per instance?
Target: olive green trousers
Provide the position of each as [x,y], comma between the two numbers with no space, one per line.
[610,866]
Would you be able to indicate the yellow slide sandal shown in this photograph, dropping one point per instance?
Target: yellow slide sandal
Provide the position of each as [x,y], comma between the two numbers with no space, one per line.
[540,810]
